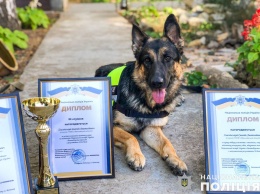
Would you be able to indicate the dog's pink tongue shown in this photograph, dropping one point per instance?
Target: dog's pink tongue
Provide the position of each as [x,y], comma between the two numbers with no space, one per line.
[158,95]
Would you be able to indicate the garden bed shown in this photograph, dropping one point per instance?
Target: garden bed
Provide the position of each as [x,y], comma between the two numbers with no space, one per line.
[212,33]
[23,56]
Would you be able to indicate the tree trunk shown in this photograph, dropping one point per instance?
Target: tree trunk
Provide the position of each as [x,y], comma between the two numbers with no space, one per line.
[8,15]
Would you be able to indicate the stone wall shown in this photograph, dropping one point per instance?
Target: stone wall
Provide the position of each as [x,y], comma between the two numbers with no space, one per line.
[228,17]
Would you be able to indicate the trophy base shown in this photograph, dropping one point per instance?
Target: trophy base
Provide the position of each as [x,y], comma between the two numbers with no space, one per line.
[47,190]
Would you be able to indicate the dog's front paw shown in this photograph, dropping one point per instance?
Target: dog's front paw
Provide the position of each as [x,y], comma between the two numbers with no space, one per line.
[136,161]
[180,100]
[177,166]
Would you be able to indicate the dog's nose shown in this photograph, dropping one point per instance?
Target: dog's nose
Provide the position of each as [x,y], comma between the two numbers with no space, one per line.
[157,82]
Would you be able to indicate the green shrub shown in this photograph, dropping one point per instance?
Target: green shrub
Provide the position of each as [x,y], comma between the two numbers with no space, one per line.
[195,78]
[100,1]
[250,53]
[15,38]
[33,18]
[168,10]
[153,34]
[189,36]
[207,26]
[148,11]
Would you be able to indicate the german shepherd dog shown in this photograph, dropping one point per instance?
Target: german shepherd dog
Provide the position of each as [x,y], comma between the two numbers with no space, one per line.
[149,89]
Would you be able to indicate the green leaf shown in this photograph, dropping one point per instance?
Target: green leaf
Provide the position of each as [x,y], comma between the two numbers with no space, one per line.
[254,38]
[255,47]
[7,32]
[240,49]
[213,86]
[204,77]
[250,67]
[20,43]
[33,26]
[23,17]
[45,23]
[21,35]
[198,74]
[190,80]
[243,48]
[33,17]
[195,78]
[252,56]
[191,76]
[186,74]
[10,39]
[255,73]
[195,82]
[241,57]
[258,48]
[9,45]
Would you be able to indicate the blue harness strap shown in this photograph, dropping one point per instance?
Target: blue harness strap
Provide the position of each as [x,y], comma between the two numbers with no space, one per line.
[133,113]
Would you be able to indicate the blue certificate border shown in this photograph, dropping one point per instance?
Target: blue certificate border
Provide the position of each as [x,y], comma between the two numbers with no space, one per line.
[210,135]
[108,141]
[20,139]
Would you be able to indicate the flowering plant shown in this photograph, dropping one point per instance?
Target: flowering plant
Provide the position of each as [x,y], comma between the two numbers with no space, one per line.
[249,51]
[249,24]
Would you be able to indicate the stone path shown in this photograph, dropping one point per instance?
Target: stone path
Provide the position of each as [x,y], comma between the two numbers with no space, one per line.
[90,35]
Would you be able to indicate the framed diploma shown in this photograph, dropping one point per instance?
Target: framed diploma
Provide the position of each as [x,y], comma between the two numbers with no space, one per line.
[14,164]
[81,140]
[232,140]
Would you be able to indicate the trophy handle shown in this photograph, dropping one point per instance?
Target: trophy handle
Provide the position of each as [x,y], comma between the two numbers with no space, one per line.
[45,178]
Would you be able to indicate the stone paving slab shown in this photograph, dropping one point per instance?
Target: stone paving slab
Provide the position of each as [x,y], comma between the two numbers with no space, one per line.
[85,37]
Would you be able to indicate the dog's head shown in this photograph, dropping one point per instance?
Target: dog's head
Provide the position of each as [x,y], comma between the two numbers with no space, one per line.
[157,67]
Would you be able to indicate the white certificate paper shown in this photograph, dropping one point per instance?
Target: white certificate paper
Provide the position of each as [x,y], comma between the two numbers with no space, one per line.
[80,144]
[232,139]
[14,167]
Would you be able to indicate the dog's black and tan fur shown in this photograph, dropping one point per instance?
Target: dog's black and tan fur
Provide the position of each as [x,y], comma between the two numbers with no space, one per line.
[149,85]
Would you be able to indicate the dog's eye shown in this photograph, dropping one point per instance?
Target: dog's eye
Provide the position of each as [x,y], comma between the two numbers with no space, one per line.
[147,60]
[167,59]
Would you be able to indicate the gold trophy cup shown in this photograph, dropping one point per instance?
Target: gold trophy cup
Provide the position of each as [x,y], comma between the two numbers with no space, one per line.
[40,109]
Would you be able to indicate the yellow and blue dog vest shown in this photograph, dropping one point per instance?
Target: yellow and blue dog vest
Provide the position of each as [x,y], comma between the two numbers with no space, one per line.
[115,75]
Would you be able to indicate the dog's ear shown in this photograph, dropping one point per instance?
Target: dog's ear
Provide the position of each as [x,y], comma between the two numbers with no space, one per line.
[138,39]
[172,31]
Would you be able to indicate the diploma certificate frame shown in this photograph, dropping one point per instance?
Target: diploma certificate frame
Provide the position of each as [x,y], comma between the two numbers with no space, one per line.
[15,176]
[232,140]
[81,138]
